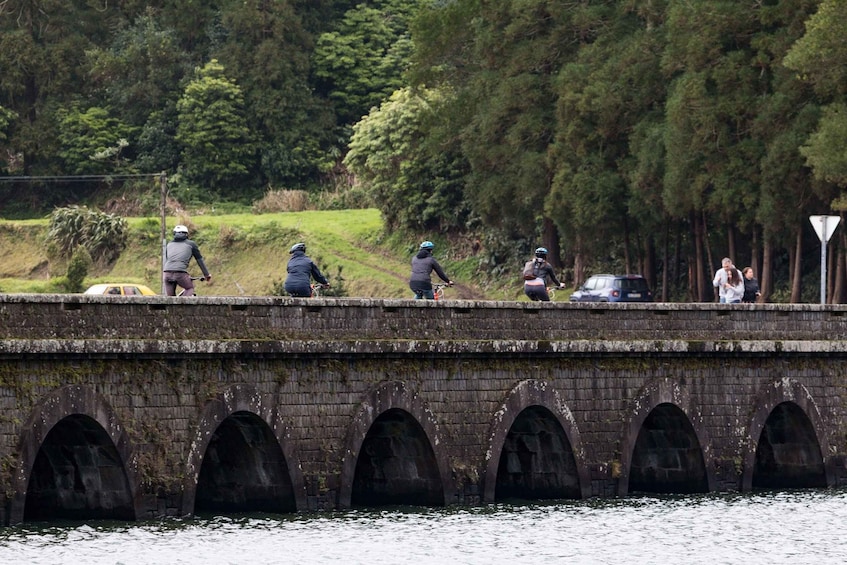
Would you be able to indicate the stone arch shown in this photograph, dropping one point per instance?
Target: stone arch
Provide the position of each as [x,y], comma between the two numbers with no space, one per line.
[525,395]
[794,396]
[391,397]
[674,401]
[88,414]
[243,407]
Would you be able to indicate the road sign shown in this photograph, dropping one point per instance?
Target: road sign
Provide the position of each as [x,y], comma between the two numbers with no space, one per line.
[824,226]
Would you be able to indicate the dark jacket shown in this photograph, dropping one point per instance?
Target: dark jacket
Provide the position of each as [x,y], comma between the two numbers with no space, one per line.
[422,265]
[543,272]
[751,288]
[301,271]
[178,254]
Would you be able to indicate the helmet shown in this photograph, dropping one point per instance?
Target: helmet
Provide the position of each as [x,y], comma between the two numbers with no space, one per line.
[541,252]
[427,245]
[298,247]
[180,229]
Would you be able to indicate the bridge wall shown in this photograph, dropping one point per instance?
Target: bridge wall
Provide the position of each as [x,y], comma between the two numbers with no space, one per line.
[158,376]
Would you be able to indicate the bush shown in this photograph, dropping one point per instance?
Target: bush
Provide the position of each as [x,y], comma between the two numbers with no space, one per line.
[78,268]
[282,201]
[103,235]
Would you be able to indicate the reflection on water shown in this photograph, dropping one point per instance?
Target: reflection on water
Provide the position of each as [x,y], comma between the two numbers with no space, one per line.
[786,527]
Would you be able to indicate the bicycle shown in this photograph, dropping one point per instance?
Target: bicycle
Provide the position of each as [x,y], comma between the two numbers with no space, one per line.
[316,289]
[182,292]
[438,290]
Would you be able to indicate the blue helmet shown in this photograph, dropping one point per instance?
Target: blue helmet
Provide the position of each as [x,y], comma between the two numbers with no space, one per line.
[298,247]
[427,245]
[541,252]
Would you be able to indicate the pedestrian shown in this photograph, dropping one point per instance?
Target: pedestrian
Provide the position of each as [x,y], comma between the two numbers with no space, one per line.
[301,270]
[728,281]
[423,264]
[178,254]
[537,274]
[751,286]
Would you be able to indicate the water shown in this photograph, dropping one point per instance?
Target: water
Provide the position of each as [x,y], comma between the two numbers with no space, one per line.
[787,527]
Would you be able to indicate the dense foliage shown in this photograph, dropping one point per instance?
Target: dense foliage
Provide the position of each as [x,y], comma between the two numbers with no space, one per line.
[624,135]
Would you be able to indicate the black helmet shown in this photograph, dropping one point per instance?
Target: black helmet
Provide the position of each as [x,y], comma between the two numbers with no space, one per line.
[298,247]
[541,252]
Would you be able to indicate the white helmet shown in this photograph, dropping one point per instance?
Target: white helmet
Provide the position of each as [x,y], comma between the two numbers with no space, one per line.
[180,229]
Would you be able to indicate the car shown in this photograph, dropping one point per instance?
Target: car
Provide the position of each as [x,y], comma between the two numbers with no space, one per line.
[613,288]
[120,289]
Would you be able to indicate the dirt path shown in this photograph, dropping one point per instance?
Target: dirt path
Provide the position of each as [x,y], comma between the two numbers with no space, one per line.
[460,291]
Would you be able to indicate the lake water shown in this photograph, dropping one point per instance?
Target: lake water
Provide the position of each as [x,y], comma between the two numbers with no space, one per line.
[787,527]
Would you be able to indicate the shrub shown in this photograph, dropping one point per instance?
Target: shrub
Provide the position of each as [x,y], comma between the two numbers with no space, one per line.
[103,235]
[78,268]
[282,201]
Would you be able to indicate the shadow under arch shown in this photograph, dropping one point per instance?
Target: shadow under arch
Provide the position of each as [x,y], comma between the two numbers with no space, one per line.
[793,397]
[525,395]
[240,415]
[395,400]
[79,414]
[670,399]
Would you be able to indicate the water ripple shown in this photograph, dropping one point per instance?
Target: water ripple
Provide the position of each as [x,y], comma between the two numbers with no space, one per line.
[780,528]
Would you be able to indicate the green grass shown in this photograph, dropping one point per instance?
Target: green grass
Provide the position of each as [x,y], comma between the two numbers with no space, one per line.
[246,253]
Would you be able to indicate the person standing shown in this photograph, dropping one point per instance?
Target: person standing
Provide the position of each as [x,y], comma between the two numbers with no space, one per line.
[728,281]
[751,286]
[178,254]
[423,263]
[536,274]
[301,270]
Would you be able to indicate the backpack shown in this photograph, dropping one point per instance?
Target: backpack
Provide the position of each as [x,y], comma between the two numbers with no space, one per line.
[529,272]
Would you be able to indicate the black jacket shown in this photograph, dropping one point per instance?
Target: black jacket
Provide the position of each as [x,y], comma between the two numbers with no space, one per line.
[751,287]
[422,265]
[301,270]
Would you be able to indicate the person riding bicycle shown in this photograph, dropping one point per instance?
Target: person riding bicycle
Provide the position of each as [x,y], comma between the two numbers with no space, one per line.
[535,273]
[178,254]
[423,263]
[301,271]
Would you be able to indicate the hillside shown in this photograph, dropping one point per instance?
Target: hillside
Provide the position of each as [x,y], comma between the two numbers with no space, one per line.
[247,254]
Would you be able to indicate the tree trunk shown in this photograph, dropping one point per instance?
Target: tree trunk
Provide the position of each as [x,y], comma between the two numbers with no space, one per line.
[838,288]
[766,275]
[666,262]
[697,284]
[795,259]
[578,264]
[550,239]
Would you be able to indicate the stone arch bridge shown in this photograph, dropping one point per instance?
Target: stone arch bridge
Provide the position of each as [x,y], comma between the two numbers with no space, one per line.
[137,408]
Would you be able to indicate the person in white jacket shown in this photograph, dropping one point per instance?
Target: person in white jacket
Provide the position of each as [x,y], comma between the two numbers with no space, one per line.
[729,282]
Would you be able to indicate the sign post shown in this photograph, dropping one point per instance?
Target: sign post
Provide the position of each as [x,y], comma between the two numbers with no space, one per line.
[824,227]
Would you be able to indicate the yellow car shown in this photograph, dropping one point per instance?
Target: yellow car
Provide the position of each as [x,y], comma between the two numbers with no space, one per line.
[120,289]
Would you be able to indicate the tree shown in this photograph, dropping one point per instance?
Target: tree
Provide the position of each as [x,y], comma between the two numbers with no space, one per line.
[415,188]
[92,142]
[217,152]
[362,61]
[267,47]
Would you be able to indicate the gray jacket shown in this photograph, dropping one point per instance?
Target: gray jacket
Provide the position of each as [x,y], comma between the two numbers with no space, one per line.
[178,254]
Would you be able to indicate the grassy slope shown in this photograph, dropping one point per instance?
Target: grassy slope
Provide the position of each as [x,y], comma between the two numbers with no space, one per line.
[246,254]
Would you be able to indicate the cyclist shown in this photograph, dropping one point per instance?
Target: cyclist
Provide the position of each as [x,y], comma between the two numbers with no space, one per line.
[535,274]
[423,263]
[301,270]
[178,254]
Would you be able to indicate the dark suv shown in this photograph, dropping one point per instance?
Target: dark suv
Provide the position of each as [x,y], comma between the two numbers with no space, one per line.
[613,288]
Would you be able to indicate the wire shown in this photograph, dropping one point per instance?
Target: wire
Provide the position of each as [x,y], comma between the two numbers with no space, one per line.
[78,178]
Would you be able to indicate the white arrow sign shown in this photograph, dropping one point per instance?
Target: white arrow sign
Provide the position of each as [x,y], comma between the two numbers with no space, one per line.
[824,226]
